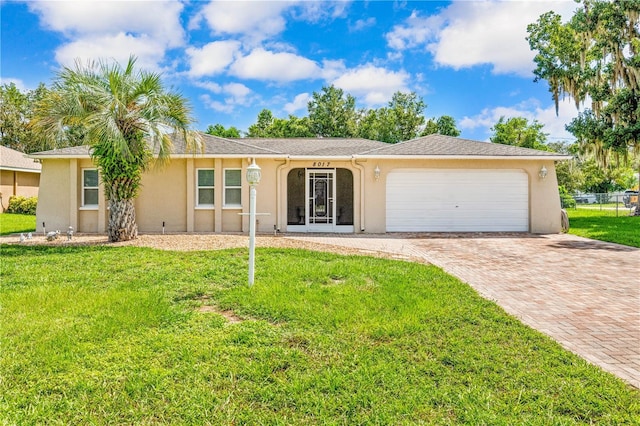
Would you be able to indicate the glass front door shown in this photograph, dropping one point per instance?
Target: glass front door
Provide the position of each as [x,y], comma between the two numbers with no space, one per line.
[321,202]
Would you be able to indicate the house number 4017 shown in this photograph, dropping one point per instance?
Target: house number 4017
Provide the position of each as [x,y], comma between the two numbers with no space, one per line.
[321,163]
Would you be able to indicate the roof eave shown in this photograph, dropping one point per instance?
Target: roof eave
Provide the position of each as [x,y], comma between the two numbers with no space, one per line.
[20,169]
[466,157]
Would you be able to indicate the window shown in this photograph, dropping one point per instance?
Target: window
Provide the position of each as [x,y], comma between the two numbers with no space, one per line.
[232,187]
[205,187]
[90,187]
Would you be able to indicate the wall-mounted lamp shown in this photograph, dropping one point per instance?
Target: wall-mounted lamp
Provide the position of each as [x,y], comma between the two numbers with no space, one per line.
[543,172]
[376,172]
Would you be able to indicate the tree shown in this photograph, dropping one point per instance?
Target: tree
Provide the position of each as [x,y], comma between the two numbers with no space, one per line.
[443,125]
[596,55]
[267,126]
[260,129]
[404,117]
[16,112]
[400,120]
[517,131]
[332,113]
[124,113]
[220,130]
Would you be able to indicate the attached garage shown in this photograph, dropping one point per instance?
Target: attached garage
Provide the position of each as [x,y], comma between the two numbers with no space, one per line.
[454,200]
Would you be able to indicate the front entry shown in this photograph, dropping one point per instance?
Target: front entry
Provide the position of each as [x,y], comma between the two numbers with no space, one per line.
[320,200]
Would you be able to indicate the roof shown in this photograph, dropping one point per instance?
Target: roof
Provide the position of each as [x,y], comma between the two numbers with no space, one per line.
[432,146]
[448,146]
[10,159]
[315,146]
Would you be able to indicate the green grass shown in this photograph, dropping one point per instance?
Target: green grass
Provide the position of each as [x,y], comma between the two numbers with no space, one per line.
[605,226]
[106,335]
[11,223]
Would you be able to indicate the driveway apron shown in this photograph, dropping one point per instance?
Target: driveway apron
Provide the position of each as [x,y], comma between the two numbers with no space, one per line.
[585,294]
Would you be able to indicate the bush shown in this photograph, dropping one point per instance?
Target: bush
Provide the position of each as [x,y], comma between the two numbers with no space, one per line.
[566,200]
[22,205]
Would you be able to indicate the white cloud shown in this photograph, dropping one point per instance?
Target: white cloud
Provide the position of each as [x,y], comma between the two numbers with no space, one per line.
[466,34]
[117,47]
[233,95]
[316,11]
[216,105]
[20,85]
[416,31]
[105,29]
[209,85]
[261,64]
[373,85]
[257,20]
[362,24]
[531,110]
[299,103]
[212,58]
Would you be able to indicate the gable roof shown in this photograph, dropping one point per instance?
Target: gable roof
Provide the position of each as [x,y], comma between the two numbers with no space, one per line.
[10,159]
[432,146]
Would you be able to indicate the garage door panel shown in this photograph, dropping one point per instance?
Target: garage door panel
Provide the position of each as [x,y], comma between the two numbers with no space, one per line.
[423,200]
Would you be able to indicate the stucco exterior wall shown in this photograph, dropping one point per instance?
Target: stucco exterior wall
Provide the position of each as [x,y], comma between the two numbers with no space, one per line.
[544,200]
[169,195]
[18,183]
[54,196]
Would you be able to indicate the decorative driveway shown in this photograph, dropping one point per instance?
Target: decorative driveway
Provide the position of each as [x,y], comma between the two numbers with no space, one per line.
[585,294]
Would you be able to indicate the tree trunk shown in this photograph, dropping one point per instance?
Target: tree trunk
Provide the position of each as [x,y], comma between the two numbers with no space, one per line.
[122,221]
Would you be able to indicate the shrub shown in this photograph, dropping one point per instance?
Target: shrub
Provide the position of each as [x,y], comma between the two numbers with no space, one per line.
[22,205]
[566,200]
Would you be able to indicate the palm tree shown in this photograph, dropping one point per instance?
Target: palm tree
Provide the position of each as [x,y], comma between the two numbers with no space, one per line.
[124,116]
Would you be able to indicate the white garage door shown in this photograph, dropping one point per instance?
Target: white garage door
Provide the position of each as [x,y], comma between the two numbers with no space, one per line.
[430,200]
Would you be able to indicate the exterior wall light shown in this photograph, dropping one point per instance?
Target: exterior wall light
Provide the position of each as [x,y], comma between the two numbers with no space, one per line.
[376,173]
[543,172]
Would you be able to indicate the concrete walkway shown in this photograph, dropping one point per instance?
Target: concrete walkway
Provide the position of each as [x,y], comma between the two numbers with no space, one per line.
[585,294]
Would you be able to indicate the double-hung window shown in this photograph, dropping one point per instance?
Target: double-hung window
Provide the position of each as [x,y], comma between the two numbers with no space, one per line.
[90,188]
[232,188]
[205,187]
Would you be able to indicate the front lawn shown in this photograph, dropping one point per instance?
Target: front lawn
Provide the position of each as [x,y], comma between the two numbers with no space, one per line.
[13,223]
[603,225]
[107,335]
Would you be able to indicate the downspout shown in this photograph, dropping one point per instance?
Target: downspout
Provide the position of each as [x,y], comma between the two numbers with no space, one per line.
[279,190]
[361,168]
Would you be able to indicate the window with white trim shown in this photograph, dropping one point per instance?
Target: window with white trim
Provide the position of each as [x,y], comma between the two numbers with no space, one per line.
[89,187]
[232,187]
[205,187]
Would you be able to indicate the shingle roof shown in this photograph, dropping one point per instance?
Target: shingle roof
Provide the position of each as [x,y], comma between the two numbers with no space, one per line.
[10,159]
[214,145]
[315,146]
[440,145]
[427,146]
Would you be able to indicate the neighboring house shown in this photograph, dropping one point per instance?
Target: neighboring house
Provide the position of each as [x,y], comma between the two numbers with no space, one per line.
[19,175]
[431,184]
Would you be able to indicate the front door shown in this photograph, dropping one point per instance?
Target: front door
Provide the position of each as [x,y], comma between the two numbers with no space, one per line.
[321,215]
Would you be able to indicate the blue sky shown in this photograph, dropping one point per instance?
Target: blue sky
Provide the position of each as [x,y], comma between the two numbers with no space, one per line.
[467,59]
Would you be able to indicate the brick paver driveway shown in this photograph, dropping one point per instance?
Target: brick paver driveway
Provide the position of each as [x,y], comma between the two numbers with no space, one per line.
[583,293]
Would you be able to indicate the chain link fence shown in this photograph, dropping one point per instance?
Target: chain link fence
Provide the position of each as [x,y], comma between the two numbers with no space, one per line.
[613,204]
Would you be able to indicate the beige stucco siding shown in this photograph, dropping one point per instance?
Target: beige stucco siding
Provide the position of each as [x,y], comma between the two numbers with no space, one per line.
[163,198]
[18,183]
[544,206]
[169,195]
[54,196]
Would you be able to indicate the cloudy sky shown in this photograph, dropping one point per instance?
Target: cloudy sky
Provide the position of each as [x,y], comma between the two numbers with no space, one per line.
[467,59]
